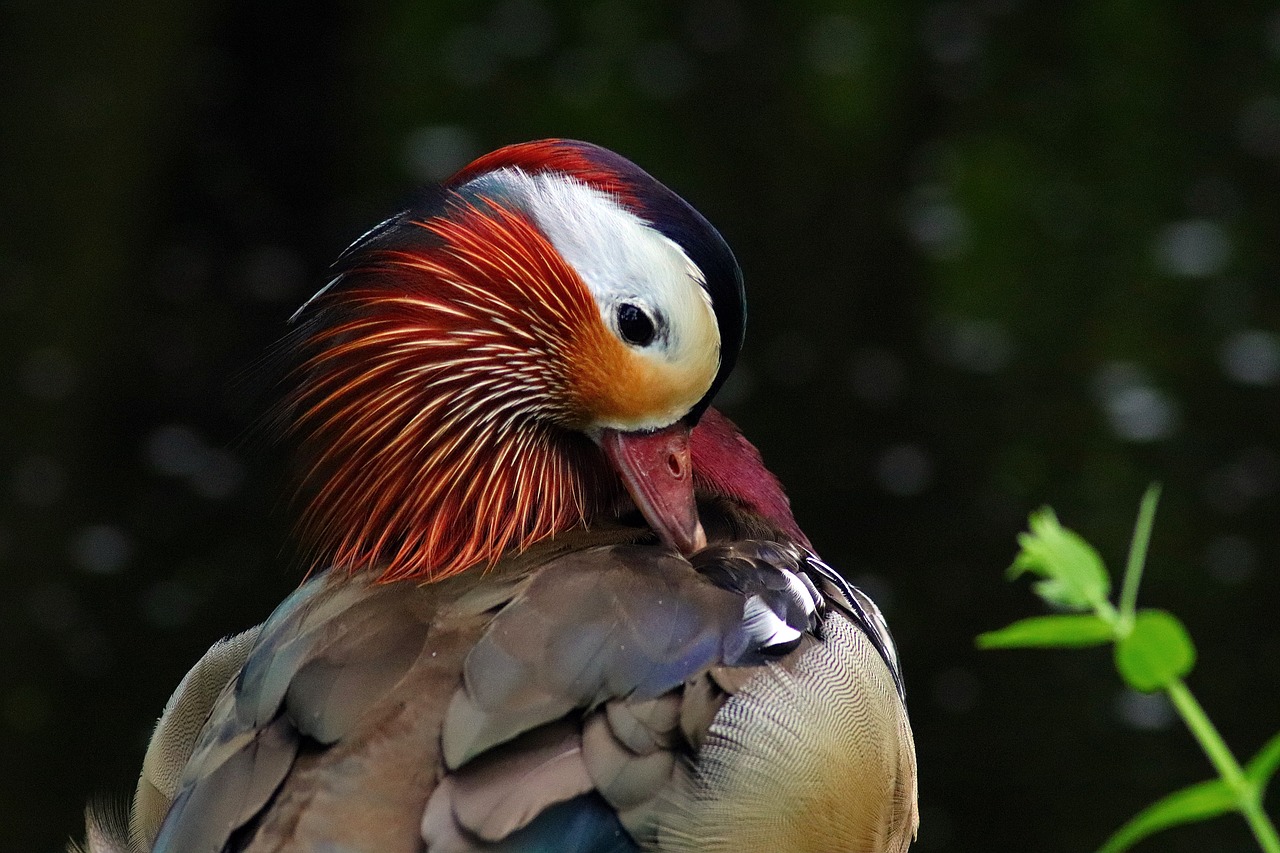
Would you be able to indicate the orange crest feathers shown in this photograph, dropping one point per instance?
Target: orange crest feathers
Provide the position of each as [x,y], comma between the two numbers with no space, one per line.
[433,401]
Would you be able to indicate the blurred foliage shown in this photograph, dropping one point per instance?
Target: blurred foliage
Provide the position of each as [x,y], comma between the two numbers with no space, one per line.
[998,253]
[1153,653]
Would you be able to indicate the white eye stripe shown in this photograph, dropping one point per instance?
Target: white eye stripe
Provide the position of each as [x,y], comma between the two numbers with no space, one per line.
[618,255]
[624,260]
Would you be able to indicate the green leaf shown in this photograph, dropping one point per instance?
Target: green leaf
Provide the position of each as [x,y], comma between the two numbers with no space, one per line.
[1156,653]
[1065,632]
[1197,802]
[1263,766]
[1058,594]
[1074,576]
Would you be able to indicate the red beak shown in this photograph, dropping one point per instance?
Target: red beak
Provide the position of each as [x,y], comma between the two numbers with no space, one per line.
[658,472]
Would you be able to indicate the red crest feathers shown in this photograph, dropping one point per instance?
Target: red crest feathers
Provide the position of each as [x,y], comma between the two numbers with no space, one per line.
[596,167]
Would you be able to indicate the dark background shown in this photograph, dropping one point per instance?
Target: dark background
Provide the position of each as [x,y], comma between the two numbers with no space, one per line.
[999,254]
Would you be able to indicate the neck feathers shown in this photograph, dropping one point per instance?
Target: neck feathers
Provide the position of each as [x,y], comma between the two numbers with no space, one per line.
[428,411]
[726,465]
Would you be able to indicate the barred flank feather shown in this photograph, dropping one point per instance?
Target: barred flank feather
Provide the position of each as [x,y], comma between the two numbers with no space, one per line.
[809,761]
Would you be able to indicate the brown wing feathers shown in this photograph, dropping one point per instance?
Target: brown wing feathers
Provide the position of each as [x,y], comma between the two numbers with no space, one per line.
[504,789]
[593,625]
[463,712]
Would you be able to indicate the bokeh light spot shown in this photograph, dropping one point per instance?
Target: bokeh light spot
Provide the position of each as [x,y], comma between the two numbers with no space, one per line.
[1136,409]
[937,224]
[970,343]
[904,470]
[175,450]
[1143,711]
[1232,487]
[101,549]
[1231,559]
[1194,248]
[1251,357]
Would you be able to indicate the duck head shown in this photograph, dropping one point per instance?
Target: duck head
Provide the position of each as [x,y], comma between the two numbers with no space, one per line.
[512,356]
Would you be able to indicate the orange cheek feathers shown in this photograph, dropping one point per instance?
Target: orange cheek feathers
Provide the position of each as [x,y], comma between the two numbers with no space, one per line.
[616,387]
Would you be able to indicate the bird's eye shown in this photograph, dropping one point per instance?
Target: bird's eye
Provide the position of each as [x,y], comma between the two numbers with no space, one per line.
[635,325]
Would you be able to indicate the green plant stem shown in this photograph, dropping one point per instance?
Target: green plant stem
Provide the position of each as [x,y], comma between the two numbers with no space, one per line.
[1263,829]
[1107,613]
[1137,555]
[1248,794]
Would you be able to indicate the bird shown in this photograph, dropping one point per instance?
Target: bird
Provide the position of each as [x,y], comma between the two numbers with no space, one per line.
[557,600]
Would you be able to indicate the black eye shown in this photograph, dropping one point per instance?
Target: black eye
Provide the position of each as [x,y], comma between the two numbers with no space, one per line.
[635,325]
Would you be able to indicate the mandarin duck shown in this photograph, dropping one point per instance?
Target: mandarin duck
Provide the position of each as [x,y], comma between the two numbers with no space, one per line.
[560,604]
